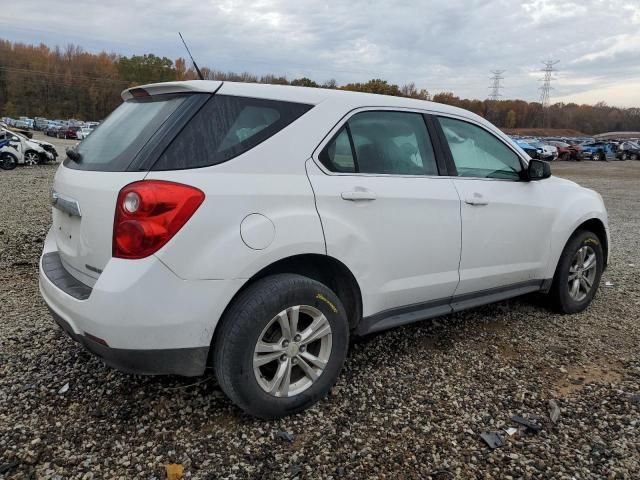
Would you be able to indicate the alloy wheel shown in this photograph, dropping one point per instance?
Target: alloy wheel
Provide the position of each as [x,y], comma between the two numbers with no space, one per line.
[292,351]
[31,158]
[582,273]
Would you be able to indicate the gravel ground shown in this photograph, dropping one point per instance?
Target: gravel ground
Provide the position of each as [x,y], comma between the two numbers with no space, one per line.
[411,403]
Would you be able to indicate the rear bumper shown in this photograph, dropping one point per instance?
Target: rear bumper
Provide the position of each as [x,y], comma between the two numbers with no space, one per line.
[139,316]
[188,362]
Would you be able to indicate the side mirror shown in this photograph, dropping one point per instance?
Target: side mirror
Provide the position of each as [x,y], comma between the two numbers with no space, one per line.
[538,169]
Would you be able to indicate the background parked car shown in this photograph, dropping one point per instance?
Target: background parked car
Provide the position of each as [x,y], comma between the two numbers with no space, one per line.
[532,151]
[628,151]
[29,152]
[40,123]
[600,151]
[52,129]
[545,151]
[68,132]
[566,151]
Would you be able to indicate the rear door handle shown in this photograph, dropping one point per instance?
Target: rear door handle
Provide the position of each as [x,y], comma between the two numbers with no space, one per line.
[476,199]
[358,195]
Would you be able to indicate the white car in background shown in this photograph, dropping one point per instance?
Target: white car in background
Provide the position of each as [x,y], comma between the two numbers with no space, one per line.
[83,133]
[545,151]
[255,228]
[30,152]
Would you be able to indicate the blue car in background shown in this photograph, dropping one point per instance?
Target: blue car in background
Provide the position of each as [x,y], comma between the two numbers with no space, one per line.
[600,151]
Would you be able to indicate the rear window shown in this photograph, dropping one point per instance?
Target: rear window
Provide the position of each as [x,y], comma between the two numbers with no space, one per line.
[116,142]
[226,127]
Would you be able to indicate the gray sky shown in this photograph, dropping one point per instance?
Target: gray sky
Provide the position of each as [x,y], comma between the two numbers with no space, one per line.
[446,45]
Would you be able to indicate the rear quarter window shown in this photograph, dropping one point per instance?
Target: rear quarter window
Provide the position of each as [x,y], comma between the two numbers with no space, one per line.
[226,127]
[114,145]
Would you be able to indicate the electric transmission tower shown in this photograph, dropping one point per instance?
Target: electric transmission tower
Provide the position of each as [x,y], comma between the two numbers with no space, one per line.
[495,85]
[546,88]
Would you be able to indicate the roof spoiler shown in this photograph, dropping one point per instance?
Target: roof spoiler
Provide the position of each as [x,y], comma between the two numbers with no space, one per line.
[189,86]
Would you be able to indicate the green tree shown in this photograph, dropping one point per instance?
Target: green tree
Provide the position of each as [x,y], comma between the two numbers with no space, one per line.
[140,69]
[304,82]
[376,85]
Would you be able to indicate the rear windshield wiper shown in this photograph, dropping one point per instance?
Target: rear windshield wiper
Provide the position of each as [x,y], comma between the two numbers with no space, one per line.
[74,155]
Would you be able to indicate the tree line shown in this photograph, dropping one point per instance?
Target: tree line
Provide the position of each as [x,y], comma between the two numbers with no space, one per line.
[38,80]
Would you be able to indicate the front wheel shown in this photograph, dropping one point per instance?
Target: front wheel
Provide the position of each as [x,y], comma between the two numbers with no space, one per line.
[578,273]
[31,158]
[281,345]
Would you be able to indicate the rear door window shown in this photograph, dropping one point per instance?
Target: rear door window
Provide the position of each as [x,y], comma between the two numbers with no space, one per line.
[382,142]
[226,127]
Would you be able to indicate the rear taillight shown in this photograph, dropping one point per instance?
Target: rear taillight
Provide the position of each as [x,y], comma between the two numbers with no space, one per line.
[149,213]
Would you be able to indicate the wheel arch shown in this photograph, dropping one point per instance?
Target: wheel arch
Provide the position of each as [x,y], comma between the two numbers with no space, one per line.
[591,223]
[323,268]
[596,226]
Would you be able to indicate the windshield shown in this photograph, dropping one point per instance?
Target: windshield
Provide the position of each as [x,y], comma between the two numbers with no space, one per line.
[115,143]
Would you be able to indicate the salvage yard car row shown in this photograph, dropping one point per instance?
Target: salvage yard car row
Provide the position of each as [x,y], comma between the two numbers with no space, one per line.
[68,129]
[577,149]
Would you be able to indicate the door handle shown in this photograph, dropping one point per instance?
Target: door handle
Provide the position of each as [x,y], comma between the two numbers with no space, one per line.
[358,195]
[476,199]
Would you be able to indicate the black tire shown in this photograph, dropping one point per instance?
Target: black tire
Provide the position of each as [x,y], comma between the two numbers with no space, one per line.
[634,156]
[565,157]
[559,293]
[242,326]
[8,161]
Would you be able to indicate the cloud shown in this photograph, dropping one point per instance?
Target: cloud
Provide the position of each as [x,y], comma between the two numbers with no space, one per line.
[440,46]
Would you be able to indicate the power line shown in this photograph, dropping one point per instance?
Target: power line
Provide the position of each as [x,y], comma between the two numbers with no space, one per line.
[495,85]
[546,88]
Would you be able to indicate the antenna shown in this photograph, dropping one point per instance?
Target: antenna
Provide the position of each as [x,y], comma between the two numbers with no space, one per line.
[495,86]
[546,88]
[191,56]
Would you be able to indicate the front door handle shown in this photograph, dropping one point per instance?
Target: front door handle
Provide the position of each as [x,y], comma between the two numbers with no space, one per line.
[358,195]
[476,199]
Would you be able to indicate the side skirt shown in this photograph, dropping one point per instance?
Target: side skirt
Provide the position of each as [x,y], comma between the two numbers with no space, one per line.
[436,308]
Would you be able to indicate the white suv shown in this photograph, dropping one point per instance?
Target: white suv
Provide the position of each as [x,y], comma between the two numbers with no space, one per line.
[254,228]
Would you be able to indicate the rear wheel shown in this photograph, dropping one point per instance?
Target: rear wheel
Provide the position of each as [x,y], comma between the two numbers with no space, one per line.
[281,345]
[634,156]
[8,161]
[565,156]
[578,273]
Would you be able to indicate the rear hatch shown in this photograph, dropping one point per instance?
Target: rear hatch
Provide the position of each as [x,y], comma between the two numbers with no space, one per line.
[86,186]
